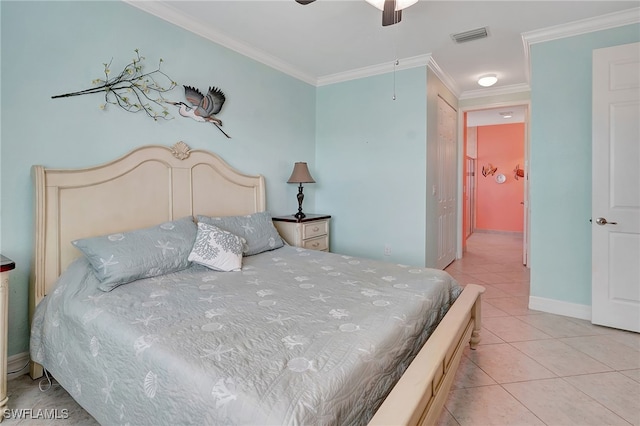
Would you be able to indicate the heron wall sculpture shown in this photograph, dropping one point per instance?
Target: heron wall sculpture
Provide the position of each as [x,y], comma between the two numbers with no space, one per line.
[203,107]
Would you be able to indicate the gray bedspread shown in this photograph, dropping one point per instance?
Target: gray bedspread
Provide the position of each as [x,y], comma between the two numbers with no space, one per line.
[298,337]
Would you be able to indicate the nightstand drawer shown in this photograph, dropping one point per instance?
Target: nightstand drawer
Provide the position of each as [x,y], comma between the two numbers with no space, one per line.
[319,243]
[315,229]
[6,265]
[310,232]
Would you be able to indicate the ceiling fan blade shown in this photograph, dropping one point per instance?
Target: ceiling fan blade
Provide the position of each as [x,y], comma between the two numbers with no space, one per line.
[389,14]
[305,1]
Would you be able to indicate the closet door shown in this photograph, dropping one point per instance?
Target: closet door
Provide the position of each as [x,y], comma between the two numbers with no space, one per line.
[446,186]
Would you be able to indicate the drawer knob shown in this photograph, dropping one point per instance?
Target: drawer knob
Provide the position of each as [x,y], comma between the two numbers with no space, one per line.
[316,229]
[316,244]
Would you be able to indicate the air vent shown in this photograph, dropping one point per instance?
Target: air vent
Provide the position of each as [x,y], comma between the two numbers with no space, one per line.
[470,35]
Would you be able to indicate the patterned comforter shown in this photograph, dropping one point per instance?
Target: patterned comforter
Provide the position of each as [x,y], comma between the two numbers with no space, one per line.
[296,337]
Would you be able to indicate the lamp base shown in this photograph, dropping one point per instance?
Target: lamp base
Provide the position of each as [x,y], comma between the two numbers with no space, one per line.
[300,197]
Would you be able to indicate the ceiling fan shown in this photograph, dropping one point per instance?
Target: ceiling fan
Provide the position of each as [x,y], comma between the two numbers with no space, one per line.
[391,9]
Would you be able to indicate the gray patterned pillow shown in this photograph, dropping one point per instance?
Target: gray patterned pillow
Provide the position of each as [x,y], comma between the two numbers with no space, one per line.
[257,229]
[217,249]
[124,257]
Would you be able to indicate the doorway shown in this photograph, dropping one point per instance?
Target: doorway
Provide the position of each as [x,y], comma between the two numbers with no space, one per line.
[494,164]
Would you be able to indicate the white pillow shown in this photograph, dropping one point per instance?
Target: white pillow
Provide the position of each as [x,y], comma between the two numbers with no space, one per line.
[217,249]
[257,229]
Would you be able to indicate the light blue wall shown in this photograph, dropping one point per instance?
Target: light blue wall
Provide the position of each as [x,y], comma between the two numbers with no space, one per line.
[371,152]
[560,176]
[49,48]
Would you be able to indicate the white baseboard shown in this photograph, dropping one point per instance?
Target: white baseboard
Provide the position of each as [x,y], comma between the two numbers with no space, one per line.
[559,307]
[17,365]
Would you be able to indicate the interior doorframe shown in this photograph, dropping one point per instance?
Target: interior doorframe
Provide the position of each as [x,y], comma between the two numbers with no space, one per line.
[470,179]
[527,166]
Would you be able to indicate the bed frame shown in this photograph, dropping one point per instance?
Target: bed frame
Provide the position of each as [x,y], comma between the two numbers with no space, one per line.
[154,184]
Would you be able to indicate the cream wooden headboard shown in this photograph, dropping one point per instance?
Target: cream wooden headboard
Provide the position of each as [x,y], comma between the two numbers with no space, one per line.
[150,185]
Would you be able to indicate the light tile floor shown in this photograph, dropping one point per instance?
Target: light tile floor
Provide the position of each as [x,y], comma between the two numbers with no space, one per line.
[534,368]
[531,368]
[28,405]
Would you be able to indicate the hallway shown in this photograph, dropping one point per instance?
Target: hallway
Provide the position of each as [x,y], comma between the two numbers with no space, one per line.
[534,368]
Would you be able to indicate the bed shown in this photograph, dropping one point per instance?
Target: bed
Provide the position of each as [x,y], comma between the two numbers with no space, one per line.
[286,336]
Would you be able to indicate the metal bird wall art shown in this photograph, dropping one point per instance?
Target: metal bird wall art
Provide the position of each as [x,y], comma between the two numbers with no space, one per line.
[518,172]
[489,170]
[203,107]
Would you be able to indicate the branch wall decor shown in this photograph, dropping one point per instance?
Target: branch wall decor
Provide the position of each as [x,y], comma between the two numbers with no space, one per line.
[133,89]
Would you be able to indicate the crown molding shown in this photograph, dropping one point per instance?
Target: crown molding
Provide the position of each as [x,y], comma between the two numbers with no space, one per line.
[173,15]
[495,91]
[403,64]
[444,77]
[584,26]
[384,68]
[170,14]
[598,23]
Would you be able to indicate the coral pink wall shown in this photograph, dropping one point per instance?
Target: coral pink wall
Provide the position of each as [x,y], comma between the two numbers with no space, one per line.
[498,205]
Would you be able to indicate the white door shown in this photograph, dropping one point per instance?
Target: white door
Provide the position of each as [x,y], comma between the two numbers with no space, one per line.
[446,193]
[615,186]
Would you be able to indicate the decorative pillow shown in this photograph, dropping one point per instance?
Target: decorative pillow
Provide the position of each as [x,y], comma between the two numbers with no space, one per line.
[257,229]
[217,249]
[124,257]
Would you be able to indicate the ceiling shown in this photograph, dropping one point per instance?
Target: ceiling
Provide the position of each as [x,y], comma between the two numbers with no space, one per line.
[493,116]
[335,40]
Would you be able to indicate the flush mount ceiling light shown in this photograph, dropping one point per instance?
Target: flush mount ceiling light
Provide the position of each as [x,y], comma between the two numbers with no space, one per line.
[487,80]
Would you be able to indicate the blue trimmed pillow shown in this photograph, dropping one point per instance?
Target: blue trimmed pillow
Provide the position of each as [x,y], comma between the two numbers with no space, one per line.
[257,229]
[128,256]
[217,249]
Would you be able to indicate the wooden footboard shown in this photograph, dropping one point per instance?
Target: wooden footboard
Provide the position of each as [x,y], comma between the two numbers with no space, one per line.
[420,394]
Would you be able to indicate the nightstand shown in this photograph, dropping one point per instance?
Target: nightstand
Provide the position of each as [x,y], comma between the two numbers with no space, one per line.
[6,265]
[311,232]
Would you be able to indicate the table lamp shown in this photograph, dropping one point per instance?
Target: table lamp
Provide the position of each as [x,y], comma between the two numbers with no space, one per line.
[300,175]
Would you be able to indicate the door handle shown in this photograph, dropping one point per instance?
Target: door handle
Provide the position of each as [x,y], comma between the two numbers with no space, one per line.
[602,221]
